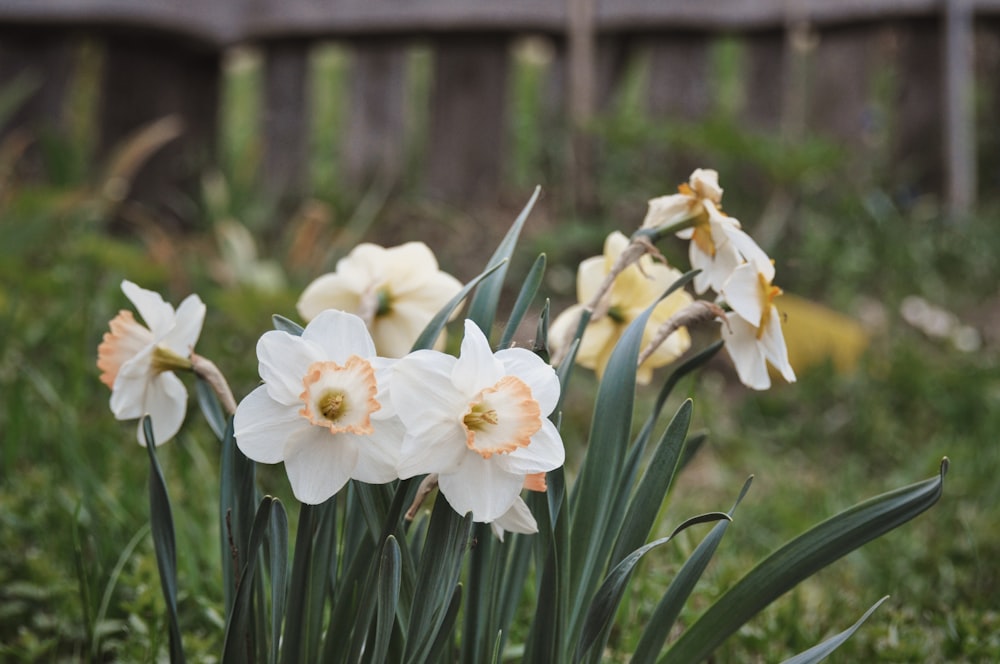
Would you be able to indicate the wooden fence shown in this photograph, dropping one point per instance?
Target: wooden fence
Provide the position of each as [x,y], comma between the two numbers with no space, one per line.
[810,68]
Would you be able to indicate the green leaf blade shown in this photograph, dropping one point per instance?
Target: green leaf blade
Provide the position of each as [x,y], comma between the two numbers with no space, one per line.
[799,559]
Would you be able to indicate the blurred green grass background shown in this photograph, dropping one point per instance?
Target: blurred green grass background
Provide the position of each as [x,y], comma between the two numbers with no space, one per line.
[77,574]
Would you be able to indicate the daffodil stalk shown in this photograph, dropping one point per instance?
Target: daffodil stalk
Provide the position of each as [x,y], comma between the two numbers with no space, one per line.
[205,369]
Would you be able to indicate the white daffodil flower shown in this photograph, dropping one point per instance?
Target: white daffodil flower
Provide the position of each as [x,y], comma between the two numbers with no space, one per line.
[396,291]
[480,421]
[632,292]
[137,361]
[316,409]
[752,331]
[688,203]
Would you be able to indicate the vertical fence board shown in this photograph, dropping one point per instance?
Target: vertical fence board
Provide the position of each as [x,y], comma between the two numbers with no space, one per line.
[285,118]
[468,107]
[841,98]
[144,80]
[765,79]
[37,66]
[988,104]
[959,112]
[375,144]
[917,141]
[678,90]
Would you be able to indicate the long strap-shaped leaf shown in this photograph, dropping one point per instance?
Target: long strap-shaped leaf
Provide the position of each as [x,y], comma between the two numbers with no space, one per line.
[238,639]
[609,595]
[800,558]
[433,329]
[483,307]
[819,652]
[524,298]
[654,634]
[162,526]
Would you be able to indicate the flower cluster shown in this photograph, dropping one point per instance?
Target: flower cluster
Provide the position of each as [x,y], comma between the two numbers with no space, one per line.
[616,287]
[332,410]
[348,399]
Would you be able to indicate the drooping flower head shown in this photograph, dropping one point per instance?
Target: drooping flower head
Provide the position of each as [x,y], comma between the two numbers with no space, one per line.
[316,410]
[752,330]
[716,238]
[480,421]
[632,292]
[396,291]
[688,203]
[137,361]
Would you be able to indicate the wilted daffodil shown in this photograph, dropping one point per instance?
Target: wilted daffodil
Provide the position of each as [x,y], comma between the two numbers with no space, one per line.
[688,203]
[315,409]
[480,421]
[716,239]
[396,291]
[632,292]
[137,361]
[752,331]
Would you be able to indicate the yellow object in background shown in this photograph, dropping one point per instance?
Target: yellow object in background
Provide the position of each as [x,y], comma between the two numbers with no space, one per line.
[814,333]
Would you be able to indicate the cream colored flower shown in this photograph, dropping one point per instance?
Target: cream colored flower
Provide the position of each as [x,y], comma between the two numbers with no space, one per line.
[396,291]
[752,331]
[136,361]
[632,292]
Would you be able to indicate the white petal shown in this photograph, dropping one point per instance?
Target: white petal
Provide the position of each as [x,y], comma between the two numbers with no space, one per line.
[339,335]
[752,252]
[518,519]
[589,277]
[284,360]
[394,333]
[330,291]
[421,390]
[705,183]
[440,450]
[261,426]
[476,367]
[743,293]
[319,463]
[166,404]
[187,326]
[480,487]
[746,353]
[538,375]
[563,328]
[409,267]
[667,210]
[128,394]
[773,346]
[423,397]
[544,453]
[157,314]
[379,452]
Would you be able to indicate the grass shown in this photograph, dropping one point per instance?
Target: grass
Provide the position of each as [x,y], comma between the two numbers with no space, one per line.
[77,575]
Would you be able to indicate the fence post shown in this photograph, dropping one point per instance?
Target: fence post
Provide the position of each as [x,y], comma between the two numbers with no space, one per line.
[917,154]
[145,79]
[988,85]
[959,108]
[36,67]
[468,107]
[286,119]
[375,145]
